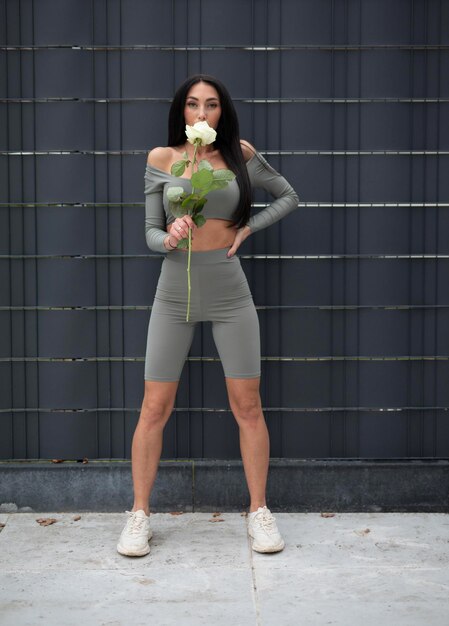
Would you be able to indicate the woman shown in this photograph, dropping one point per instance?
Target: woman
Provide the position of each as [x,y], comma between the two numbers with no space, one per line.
[219,293]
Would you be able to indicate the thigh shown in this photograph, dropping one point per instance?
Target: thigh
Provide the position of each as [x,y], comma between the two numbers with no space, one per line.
[169,339]
[237,337]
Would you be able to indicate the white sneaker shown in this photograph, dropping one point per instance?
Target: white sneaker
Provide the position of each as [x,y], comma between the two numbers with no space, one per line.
[136,534]
[264,532]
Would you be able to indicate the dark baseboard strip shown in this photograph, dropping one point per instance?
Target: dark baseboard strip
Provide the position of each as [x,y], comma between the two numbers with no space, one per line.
[295,485]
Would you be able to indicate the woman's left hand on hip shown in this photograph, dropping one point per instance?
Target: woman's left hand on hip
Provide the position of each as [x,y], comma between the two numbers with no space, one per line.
[240,236]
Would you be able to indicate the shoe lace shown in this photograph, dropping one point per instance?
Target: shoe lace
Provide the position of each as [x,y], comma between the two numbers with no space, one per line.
[134,523]
[266,520]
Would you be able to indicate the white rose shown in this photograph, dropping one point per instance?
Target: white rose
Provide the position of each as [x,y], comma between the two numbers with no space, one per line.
[201,131]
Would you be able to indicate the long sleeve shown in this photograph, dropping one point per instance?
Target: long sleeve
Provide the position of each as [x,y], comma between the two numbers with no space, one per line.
[155,223]
[262,174]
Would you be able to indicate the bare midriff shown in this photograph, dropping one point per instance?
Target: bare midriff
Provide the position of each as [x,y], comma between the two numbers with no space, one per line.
[214,234]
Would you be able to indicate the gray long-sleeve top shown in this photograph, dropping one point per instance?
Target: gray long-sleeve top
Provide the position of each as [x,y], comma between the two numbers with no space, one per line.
[221,203]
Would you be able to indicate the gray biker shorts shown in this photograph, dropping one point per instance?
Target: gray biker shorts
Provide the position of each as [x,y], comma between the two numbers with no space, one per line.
[219,294]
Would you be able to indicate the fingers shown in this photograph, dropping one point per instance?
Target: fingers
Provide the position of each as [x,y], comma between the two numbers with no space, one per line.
[180,227]
[188,221]
[232,250]
[238,240]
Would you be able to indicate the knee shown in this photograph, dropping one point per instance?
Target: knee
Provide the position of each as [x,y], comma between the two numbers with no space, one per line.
[247,409]
[155,412]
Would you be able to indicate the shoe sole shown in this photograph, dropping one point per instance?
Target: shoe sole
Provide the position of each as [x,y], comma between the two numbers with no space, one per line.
[277,548]
[125,552]
[254,546]
[142,552]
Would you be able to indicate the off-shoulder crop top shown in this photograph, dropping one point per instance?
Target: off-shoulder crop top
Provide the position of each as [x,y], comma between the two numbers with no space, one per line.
[221,203]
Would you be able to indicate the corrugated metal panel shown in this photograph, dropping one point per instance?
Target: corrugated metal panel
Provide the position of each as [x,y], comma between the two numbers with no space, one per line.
[348,100]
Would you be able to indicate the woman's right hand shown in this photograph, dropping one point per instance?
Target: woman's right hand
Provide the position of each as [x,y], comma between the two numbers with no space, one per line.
[179,229]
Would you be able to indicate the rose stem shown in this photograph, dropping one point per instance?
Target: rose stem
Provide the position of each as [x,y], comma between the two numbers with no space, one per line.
[190,244]
[188,274]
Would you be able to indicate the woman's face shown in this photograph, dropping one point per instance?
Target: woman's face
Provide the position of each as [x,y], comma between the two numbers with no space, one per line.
[202,105]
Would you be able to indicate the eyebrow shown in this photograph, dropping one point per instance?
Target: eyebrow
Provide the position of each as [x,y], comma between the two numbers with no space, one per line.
[207,100]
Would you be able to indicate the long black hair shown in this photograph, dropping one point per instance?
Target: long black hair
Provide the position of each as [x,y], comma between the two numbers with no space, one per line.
[227,141]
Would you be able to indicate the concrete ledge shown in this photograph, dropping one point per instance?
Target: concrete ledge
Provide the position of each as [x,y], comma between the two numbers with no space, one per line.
[295,485]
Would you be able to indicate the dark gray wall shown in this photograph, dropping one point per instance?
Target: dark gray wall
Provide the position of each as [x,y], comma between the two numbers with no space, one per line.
[353,296]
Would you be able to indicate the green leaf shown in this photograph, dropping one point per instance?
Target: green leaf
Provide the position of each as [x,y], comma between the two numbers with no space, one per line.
[186,156]
[218,184]
[202,179]
[176,209]
[223,174]
[189,201]
[175,194]
[199,204]
[205,165]
[183,243]
[178,168]
[199,220]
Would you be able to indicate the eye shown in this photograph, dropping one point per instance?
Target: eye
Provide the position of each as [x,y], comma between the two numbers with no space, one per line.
[213,105]
[191,104]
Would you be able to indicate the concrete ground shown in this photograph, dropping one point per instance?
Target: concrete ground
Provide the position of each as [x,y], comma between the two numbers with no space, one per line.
[382,569]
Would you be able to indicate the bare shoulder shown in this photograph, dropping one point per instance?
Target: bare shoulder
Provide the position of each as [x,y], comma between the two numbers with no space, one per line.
[159,156]
[248,150]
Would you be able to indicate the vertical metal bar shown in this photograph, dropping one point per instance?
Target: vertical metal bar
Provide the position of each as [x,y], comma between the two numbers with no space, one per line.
[253,59]
[200,21]
[122,225]
[36,274]
[345,219]
[424,222]
[173,42]
[97,425]
[187,37]
[360,56]
[437,230]
[8,179]
[108,239]
[410,230]
[332,226]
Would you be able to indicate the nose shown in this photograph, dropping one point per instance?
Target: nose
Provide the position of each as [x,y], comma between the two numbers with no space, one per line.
[201,115]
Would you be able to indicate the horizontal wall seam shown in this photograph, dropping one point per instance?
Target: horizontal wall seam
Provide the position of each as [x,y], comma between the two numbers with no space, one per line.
[88,257]
[19,153]
[206,359]
[140,205]
[295,409]
[302,100]
[219,47]
[312,204]
[262,307]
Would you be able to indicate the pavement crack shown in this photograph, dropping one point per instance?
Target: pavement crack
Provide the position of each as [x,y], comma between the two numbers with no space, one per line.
[254,590]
